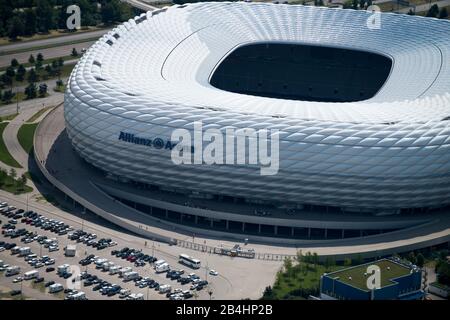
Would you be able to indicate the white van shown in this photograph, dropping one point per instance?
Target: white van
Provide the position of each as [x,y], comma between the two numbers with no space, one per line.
[165,288]
[1,263]
[124,270]
[62,269]
[124,293]
[136,296]
[162,268]
[24,251]
[54,288]
[31,274]
[77,296]
[31,257]
[130,276]
[11,271]
[114,269]
[159,262]
[107,265]
[15,250]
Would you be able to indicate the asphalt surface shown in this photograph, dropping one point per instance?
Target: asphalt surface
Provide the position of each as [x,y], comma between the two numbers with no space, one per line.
[52,41]
[238,277]
[49,53]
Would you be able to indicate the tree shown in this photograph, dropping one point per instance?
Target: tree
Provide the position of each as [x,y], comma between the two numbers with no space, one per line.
[14,63]
[59,83]
[6,79]
[32,76]
[48,68]
[22,181]
[31,59]
[13,173]
[16,28]
[20,74]
[42,90]
[268,294]
[412,257]
[39,57]
[299,256]
[55,64]
[443,14]
[114,11]
[74,52]
[8,95]
[30,22]
[44,15]
[30,91]
[433,11]
[420,260]
[10,72]
[287,265]
[443,271]
[60,62]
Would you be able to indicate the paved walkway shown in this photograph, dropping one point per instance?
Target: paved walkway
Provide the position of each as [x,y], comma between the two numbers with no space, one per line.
[10,136]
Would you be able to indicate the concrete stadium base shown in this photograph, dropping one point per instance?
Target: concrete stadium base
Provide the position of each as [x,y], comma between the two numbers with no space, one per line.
[85,185]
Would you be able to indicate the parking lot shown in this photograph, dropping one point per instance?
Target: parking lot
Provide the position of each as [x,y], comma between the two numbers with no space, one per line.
[47,237]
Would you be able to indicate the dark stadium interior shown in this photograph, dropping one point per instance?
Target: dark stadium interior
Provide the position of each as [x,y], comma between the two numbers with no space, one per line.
[302,72]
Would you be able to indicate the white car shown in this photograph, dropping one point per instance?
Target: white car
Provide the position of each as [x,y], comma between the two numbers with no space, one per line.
[53,248]
[2,249]
[213,272]
[18,279]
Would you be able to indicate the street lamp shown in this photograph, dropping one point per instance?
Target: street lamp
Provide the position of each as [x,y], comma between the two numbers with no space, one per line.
[17,100]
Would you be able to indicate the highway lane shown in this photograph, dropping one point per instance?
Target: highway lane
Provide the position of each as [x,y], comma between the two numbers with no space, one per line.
[4,49]
[50,53]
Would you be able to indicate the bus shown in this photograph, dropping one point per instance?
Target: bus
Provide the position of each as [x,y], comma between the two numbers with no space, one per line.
[189,261]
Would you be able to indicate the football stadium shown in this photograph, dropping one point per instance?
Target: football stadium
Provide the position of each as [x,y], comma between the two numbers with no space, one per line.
[362,115]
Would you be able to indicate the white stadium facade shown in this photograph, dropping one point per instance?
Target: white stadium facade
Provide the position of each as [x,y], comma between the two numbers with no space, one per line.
[362,113]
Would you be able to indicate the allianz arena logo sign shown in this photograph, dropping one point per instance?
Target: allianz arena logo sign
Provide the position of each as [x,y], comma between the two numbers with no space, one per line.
[231,146]
[157,143]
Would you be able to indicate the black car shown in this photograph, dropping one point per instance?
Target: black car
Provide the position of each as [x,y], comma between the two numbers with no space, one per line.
[50,269]
[38,280]
[97,287]
[87,283]
[48,284]
[15,292]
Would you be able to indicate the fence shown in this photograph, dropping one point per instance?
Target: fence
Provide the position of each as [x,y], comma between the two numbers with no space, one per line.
[217,250]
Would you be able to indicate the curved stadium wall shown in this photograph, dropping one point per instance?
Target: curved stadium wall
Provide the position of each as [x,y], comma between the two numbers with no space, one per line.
[386,150]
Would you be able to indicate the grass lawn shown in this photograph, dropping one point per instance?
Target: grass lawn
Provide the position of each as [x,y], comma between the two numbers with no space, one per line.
[35,116]
[5,156]
[303,276]
[25,136]
[10,185]
[389,270]
[45,62]
[8,118]
[61,89]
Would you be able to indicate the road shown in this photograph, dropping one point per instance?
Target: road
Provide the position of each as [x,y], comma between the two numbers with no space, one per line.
[50,53]
[52,41]
[426,6]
